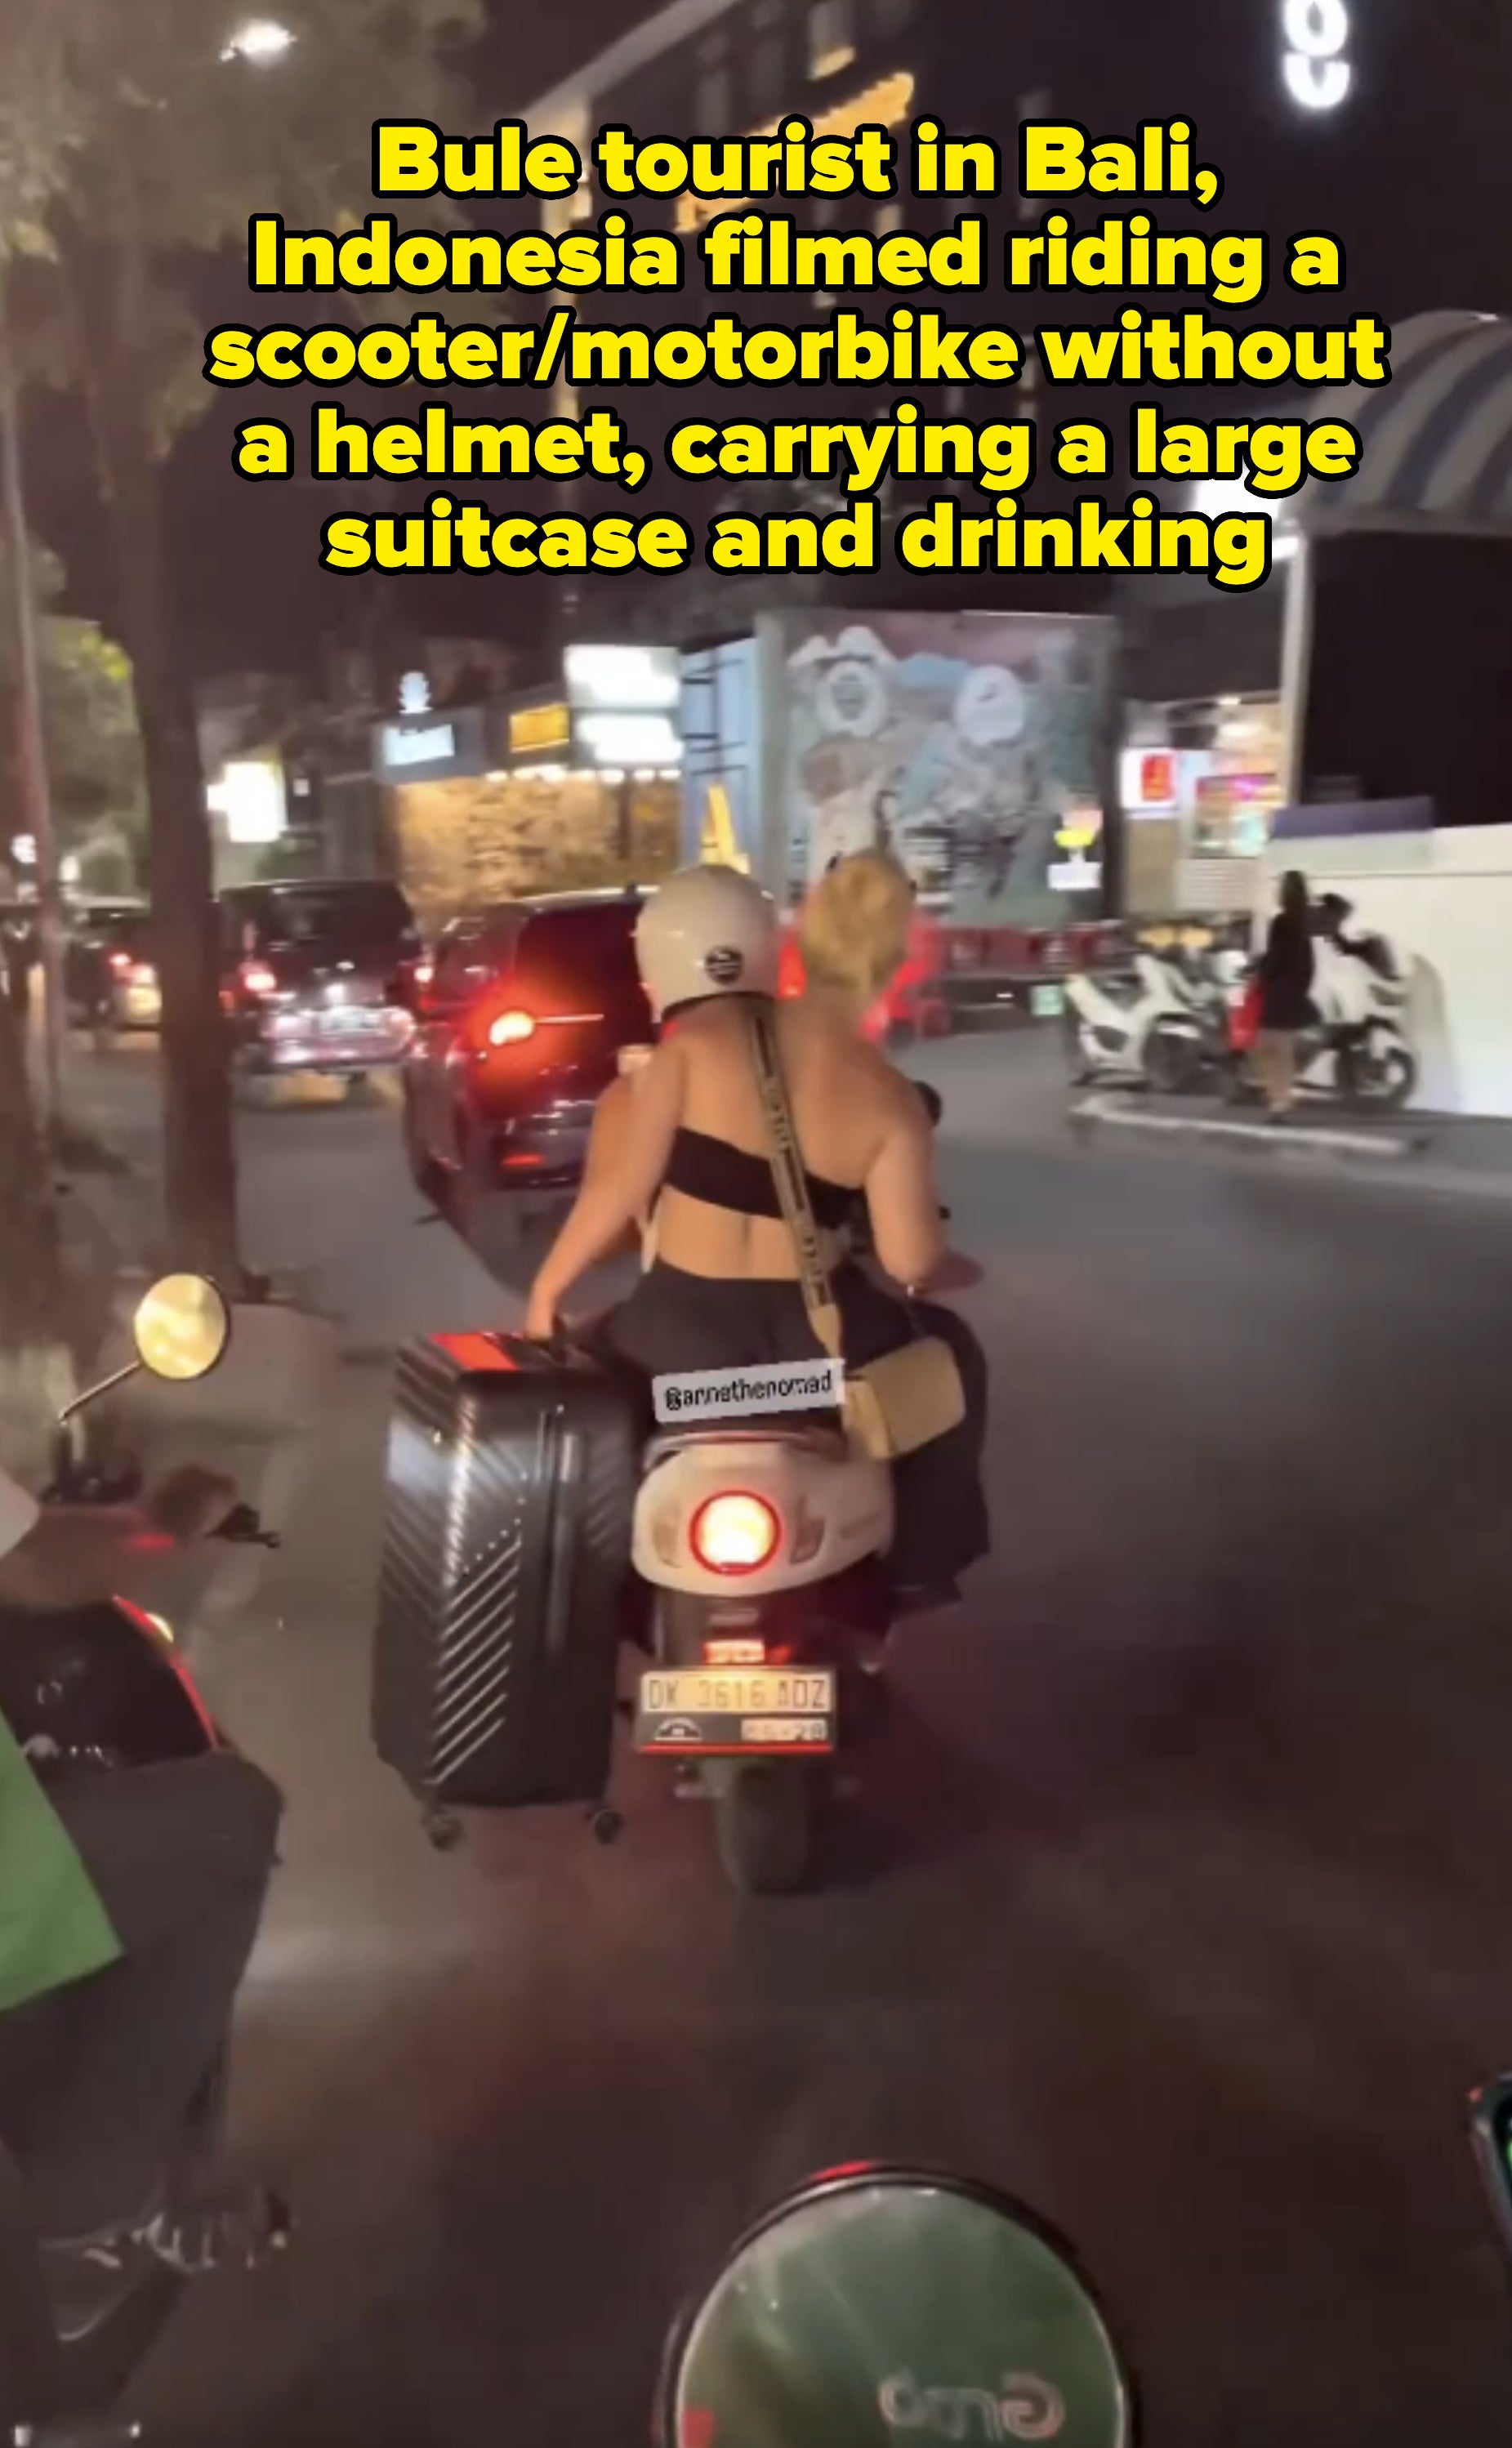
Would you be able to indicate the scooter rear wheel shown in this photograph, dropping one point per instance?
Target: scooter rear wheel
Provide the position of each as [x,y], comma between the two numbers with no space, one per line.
[767,1827]
[1382,1079]
[1172,1061]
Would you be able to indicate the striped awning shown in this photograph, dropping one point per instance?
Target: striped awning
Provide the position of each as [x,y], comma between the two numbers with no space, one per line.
[1437,437]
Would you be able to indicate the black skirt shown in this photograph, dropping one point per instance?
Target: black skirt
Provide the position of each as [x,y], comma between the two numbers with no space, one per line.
[675,1321]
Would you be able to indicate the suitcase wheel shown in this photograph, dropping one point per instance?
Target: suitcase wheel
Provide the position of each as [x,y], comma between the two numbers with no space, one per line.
[606,1825]
[444,1828]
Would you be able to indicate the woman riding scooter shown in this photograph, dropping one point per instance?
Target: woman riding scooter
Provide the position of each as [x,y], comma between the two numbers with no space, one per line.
[724,1289]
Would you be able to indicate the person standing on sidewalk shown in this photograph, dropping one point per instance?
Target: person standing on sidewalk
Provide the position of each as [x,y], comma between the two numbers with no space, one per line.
[1285,978]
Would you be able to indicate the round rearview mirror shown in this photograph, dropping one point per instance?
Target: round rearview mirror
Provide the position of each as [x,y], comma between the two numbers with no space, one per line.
[181,1327]
[881,2307]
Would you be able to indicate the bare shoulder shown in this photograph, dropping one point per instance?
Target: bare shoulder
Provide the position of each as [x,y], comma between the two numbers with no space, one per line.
[897,1096]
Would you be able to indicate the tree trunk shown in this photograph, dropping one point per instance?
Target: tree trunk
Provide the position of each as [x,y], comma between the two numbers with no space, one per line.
[198,1145]
[36,1367]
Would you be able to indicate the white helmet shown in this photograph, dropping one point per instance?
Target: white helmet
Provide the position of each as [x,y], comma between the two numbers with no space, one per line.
[708,930]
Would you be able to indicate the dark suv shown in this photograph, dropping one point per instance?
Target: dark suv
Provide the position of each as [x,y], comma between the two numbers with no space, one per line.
[314,976]
[519,1029]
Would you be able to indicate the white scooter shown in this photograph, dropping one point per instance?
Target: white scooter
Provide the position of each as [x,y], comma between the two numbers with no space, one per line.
[763,1549]
[1151,1031]
[1358,1053]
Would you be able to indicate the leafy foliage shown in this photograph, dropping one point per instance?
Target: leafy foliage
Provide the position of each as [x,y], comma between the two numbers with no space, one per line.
[124,126]
[135,138]
[94,746]
[94,741]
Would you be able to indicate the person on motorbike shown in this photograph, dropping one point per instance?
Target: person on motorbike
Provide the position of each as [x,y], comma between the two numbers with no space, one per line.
[129,1902]
[724,1290]
[1373,951]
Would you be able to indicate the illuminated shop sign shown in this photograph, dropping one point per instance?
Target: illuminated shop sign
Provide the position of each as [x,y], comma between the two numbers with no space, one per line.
[431,748]
[623,680]
[436,746]
[1315,59]
[249,798]
[884,105]
[1149,781]
[539,726]
[1080,831]
[644,740]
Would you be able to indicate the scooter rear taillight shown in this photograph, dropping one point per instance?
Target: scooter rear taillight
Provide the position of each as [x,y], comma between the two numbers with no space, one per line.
[735,1533]
[154,1628]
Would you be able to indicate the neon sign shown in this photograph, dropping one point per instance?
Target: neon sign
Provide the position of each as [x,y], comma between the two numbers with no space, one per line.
[1314,64]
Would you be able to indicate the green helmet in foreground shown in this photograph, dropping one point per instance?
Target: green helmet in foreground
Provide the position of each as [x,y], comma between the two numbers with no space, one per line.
[885,2310]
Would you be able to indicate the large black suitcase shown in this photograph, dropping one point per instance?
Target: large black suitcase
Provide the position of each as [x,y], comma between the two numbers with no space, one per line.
[512,1471]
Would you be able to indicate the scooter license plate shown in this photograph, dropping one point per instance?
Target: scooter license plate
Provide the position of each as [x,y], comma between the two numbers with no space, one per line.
[776,1708]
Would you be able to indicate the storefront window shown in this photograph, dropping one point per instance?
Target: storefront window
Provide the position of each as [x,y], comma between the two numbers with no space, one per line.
[1215,767]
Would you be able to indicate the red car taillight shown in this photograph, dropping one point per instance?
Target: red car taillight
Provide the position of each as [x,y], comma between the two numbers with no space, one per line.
[735,1533]
[123,964]
[143,973]
[512,1028]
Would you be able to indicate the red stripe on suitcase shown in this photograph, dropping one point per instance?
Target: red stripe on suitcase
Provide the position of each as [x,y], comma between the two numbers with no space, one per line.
[474,1351]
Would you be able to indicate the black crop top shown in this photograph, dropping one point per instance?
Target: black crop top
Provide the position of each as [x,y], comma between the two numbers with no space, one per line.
[721,1175]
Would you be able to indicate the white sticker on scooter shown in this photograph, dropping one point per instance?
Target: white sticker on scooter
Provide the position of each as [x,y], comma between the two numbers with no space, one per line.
[703,1394]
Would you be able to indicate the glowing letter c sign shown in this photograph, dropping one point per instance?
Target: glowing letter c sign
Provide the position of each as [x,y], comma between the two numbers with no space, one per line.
[1317,74]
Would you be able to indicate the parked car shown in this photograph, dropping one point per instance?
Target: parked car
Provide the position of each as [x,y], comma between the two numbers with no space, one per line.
[520,1030]
[312,976]
[110,981]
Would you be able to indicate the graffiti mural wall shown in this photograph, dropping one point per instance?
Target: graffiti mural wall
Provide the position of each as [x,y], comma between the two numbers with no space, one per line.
[973,745]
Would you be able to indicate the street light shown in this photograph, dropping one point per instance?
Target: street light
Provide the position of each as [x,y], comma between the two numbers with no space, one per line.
[259,40]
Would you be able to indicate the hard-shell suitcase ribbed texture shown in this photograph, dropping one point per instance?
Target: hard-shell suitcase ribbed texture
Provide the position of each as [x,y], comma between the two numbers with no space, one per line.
[510,1490]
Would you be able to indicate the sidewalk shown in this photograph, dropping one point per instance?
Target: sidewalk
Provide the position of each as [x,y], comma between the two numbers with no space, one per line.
[328,1211]
[1453,1154]
[327,1206]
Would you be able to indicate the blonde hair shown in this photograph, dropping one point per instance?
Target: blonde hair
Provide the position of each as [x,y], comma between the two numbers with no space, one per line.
[854,928]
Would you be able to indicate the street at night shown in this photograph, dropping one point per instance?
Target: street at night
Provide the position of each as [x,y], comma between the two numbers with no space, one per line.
[1176,1903]
[754,805]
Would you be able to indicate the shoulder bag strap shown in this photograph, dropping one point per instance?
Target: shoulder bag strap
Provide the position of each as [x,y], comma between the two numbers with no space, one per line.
[793,1182]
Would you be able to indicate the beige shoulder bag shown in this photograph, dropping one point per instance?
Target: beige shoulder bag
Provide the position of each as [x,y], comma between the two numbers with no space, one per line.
[909,1397]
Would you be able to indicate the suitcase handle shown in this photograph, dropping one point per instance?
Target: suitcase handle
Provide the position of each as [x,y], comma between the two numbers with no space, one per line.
[563,1545]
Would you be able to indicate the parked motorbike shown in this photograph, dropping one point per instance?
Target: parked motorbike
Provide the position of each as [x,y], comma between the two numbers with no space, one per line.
[1155,1028]
[102,1687]
[882,2302]
[1357,1053]
[762,1545]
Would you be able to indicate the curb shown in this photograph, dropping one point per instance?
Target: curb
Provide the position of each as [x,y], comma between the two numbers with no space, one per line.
[1352,1145]
[1349,1151]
